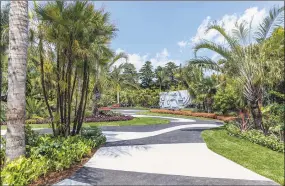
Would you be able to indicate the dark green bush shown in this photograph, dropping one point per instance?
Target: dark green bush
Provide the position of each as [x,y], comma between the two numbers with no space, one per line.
[256,136]
[49,153]
[2,151]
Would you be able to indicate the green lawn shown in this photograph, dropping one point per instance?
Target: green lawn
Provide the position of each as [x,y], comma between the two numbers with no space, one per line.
[135,121]
[259,159]
[172,115]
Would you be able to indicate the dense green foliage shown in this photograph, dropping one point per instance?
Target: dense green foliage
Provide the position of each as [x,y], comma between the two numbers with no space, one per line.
[257,137]
[250,69]
[47,153]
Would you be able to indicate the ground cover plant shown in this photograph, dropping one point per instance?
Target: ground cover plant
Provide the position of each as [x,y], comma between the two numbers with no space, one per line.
[257,158]
[46,154]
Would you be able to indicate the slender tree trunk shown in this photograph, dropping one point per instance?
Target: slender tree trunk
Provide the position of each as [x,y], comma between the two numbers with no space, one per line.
[257,116]
[43,83]
[118,96]
[84,107]
[96,98]
[17,68]
[58,105]
[77,120]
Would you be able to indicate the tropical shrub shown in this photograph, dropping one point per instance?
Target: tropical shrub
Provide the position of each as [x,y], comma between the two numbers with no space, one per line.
[3,114]
[273,116]
[35,108]
[225,100]
[107,112]
[50,154]
[2,151]
[106,100]
[256,136]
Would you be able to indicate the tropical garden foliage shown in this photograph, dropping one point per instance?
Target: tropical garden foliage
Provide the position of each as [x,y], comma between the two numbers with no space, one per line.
[70,71]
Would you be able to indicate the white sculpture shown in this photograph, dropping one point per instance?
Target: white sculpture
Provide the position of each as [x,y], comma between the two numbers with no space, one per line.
[174,100]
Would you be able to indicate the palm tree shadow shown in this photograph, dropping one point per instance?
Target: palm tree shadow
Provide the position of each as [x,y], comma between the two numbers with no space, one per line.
[119,150]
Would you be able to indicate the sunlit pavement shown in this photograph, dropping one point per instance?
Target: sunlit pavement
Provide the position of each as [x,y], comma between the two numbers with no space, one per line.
[171,154]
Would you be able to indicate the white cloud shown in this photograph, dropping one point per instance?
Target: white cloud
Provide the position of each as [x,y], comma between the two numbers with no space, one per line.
[159,59]
[182,44]
[136,59]
[119,50]
[228,22]
[162,58]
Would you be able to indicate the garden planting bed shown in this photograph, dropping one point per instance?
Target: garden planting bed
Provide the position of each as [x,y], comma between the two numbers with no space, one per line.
[49,159]
[55,177]
[105,115]
[195,114]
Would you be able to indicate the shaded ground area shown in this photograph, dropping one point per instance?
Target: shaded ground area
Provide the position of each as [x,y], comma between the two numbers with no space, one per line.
[97,176]
[179,136]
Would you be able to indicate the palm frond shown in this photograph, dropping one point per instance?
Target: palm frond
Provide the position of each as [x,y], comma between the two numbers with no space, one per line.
[273,20]
[231,41]
[117,57]
[241,31]
[205,62]
[224,52]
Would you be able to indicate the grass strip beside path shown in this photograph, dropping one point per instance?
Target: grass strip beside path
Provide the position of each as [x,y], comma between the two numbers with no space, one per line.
[257,158]
[135,121]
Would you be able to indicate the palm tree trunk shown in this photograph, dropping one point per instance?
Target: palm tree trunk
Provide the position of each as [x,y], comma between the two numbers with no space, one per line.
[96,98]
[17,67]
[43,83]
[118,96]
[257,116]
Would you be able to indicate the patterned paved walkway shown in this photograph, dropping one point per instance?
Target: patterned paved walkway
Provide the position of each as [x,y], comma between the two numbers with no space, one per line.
[172,154]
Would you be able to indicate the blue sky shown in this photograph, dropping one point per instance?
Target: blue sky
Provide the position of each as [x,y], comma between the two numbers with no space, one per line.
[163,31]
[152,30]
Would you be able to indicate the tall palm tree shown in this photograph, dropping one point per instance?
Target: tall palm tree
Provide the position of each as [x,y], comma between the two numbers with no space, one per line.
[78,32]
[18,44]
[161,76]
[244,57]
[115,75]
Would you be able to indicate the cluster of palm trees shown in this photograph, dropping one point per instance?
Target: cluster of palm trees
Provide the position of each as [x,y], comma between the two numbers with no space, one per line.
[248,58]
[58,53]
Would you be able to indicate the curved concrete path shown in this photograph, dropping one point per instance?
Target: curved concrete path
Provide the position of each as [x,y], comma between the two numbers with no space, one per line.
[172,154]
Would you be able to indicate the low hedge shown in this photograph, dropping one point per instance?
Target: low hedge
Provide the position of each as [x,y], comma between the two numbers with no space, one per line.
[257,137]
[195,114]
[50,154]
